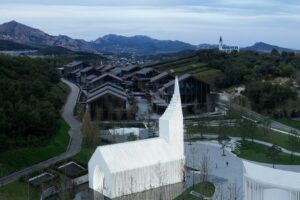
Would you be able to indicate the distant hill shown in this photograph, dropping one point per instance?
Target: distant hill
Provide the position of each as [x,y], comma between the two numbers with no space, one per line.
[264,47]
[139,45]
[23,34]
[6,45]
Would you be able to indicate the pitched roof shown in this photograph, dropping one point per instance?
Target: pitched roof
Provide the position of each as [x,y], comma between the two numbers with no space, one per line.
[159,76]
[108,89]
[74,63]
[145,70]
[86,69]
[104,75]
[129,68]
[106,84]
[171,83]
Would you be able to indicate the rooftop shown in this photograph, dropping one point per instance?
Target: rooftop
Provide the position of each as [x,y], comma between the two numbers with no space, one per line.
[74,63]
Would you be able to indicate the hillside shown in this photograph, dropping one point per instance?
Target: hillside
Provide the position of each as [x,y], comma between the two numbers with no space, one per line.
[23,34]
[139,45]
[264,47]
[226,70]
[6,45]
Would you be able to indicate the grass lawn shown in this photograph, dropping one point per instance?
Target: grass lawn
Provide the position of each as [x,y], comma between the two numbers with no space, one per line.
[208,74]
[87,151]
[19,191]
[14,160]
[289,122]
[272,137]
[189,68]
[207,189]
[85,154]
[257,152]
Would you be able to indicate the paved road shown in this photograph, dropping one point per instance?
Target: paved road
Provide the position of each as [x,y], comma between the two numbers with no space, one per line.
[75,139]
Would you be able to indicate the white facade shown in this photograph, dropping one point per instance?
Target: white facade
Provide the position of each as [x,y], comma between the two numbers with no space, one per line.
[265,183]
[120,169]
[227,49]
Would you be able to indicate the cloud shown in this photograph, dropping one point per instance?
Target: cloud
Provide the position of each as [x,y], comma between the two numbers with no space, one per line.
[201,21]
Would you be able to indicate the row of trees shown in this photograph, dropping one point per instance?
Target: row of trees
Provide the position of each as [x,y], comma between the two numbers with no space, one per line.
[244,67]
[278,100]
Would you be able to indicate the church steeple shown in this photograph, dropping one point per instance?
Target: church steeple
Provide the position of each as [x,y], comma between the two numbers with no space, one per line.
[221,44]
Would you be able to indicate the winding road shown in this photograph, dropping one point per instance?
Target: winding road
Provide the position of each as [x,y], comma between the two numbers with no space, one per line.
[75,139]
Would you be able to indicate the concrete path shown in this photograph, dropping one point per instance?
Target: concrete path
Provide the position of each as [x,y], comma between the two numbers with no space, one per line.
[227,179]
[75,139]
[224,177]
[215,136]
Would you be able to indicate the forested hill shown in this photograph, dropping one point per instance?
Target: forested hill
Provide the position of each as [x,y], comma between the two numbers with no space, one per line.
[31,98]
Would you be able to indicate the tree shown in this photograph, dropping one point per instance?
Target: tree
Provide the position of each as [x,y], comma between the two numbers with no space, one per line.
[99,113]
[90,130]
[275,52]
[205,167]
[193,155]
[202,127]
[223,138]
[273,153]
[249,128]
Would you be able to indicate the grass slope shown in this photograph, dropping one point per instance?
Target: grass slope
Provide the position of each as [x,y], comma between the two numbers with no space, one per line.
[12,161]
[257,152]
[18,191]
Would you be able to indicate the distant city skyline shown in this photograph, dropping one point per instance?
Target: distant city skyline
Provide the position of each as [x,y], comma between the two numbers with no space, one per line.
[194,21]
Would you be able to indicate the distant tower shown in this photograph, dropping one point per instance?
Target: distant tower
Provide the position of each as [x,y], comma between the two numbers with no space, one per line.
[221,44]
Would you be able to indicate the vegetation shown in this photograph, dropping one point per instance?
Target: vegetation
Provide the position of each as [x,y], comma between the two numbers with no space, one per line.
[6,45]
[259,153]
[13,160]
[289,122]
[257,133]
[205,188]
[19,191]
[31,98]
[277,100]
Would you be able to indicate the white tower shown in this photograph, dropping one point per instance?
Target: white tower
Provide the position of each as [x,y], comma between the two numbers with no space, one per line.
[171,122]
[221,44]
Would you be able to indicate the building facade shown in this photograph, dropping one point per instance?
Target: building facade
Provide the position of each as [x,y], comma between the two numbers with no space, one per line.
[265,183]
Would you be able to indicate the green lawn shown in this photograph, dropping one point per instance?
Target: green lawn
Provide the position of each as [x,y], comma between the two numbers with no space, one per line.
[207,189]
[272,137]
[289,122]
[257,152]
[14,160]
[208,74]
[189,68]
[19,191]
[85,154]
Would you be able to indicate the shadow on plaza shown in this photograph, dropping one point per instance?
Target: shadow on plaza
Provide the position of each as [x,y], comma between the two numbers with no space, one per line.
[168,192]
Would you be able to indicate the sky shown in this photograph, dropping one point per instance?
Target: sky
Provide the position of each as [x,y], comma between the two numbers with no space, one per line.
[239,22]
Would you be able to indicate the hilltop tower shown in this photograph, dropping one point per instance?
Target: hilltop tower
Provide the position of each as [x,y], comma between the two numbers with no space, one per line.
[221,44]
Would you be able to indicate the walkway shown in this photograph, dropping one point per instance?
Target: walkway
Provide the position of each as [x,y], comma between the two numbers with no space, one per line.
[215,136]
[74,145]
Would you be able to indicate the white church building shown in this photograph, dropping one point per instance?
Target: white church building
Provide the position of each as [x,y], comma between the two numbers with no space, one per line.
[265,183]
[121,169]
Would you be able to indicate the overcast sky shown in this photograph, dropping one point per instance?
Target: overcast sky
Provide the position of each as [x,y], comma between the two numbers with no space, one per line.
[240,22]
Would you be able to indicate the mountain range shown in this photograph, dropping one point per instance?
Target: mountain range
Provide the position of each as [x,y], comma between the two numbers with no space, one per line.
[28,37]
